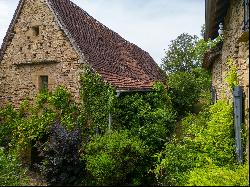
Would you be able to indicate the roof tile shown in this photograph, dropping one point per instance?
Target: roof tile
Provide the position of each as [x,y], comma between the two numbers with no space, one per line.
[119,62]
[107,53]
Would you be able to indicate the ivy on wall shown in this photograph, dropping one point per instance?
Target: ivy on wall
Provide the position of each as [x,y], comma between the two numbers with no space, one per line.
[97,101]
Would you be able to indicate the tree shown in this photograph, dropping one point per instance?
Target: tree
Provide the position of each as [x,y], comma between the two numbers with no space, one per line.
[186,79]
[203,31]
[181,55]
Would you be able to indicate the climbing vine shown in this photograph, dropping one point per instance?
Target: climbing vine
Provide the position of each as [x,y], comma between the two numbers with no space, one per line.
[232,79]
[97,101]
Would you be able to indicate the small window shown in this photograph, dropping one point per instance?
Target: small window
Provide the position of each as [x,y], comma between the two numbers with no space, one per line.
[43,82]
[246,15]
[35,30]
[213,94]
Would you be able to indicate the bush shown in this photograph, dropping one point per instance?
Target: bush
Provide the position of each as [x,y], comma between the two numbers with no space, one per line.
[219,176]
[21,130]
[31,122]
[11,172]
[218,138]
[8,116]
[206,138]
[62,164]
[186,88]
[115,159]
[147,115]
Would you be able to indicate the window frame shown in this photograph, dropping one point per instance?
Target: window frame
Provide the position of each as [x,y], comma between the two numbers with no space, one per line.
[44,82]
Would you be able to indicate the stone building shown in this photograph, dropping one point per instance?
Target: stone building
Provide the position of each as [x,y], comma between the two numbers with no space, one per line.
[233,15]
[49,41]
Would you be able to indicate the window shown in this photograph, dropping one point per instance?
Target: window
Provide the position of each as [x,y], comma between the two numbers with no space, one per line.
[35,30]
[246,15]
[213,94]
[43,82]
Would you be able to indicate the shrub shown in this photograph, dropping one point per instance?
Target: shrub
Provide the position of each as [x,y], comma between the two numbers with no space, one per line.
[8,116]
[31,122]
[219,176]
[115,159]
[11,172]
[206,138]
[147,115]
[185,89]
[218,138]
[62,164]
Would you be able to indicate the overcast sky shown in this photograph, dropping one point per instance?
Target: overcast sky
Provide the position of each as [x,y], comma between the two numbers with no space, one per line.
[150,24]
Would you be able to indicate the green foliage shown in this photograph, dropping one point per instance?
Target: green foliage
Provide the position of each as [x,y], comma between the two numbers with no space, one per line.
[218,138]
[219,176]
[147,115]
[204,46]
[30,123]
[180,56]
[115,159]
[187,52]
[232,75]
[203,30]
[11,172]
[98,98]
[8,115]
[186,88]
[205,139]
[188,83]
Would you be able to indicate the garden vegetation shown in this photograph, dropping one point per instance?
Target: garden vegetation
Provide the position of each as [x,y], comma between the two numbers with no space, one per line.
[155,138]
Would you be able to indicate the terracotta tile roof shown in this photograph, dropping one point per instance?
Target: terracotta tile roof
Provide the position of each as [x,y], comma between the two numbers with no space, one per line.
[119,62]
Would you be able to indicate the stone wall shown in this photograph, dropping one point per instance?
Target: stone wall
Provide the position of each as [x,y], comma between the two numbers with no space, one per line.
[217,81]
[39,47]
[235,46]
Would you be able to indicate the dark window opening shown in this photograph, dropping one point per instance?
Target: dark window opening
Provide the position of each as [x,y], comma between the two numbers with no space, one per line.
[35,30]
[246,15]
[44,80]
[213,94]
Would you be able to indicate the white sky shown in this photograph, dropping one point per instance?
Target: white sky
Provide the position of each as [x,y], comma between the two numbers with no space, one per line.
[150,24]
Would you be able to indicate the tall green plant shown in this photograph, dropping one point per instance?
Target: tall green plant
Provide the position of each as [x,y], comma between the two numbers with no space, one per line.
[206,139]
[148,115]
[185,89]
[97,99]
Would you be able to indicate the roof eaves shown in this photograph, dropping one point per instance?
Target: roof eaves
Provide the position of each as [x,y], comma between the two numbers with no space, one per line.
[125,90]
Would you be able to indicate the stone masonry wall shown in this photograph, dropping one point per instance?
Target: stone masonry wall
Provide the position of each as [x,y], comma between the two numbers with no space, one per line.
[39,47]
[237,49]
[217,76]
